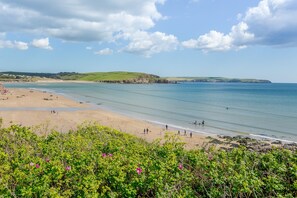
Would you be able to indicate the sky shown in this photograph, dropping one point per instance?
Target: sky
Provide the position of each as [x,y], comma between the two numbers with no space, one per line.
[221,38]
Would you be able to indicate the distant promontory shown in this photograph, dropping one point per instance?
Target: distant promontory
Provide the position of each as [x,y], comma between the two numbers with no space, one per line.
[215,80]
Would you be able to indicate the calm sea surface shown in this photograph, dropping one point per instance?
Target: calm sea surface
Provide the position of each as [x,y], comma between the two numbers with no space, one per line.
[230,109]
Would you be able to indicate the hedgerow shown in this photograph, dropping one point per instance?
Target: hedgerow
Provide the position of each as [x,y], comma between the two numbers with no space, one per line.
[97,161]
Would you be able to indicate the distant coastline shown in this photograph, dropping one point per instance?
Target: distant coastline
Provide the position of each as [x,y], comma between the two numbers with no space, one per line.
[114,77]
[216,80]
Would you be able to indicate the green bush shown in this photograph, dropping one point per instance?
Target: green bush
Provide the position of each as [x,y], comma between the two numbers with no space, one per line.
[97,161]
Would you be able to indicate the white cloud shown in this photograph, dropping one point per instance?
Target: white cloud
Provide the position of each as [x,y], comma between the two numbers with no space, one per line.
[271,22]
[147,44]
[13,44]
[80,20]
[42,43]
[89,48]
[105,51]
[21,45]
[217,41]
[274,22]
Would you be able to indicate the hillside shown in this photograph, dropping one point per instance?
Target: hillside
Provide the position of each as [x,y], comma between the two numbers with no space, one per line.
[215,80]
[113,77]
[109,77]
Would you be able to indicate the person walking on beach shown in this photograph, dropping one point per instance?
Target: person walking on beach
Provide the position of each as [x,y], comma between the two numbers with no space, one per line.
[178,132]
[143,131]
[166,127]
[185,133]
[191,134]
[147,130]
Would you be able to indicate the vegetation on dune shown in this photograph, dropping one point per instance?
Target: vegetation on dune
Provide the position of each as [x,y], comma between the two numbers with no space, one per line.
[96,161]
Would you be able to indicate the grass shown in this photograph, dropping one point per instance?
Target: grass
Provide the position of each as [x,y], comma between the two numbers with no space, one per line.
[114,76]
[117,77]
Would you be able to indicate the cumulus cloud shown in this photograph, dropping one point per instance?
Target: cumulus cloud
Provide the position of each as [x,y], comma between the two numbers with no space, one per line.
[13,44]
[217,41]
[84,20]
[42,43]
[105,51]
[147,44]
[274,22]
[271,22]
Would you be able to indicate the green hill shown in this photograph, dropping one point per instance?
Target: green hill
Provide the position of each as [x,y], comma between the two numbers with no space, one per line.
[110,77]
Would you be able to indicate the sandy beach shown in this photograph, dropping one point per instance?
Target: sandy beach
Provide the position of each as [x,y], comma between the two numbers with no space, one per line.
[35,109]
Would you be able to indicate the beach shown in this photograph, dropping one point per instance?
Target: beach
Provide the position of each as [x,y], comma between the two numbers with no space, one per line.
[45,112]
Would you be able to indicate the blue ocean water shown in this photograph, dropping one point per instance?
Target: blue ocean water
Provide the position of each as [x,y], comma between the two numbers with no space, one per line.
[268,110]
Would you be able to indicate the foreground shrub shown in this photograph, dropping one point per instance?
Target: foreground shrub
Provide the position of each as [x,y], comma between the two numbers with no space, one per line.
[96,161]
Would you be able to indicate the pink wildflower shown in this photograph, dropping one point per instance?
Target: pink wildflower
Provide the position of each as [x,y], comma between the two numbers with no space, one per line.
[110,155]
[138,170]
[180,166]
[31,164]
[47,160]
[68,168]
[37,166]
[103,154]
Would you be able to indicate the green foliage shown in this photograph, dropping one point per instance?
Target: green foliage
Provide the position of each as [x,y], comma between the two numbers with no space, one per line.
[97,161]
[117,77]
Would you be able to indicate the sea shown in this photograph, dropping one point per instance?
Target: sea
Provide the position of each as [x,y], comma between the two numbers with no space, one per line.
[246,109]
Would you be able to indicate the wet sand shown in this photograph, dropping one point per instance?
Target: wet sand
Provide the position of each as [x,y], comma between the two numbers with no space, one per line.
[35,109]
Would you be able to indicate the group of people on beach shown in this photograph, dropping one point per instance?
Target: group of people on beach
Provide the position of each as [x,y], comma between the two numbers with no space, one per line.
[145,131]
[53,112]
[202,123]
[185,133]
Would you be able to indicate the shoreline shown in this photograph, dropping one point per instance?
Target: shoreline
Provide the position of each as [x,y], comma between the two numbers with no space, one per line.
[43,120]
[71,113]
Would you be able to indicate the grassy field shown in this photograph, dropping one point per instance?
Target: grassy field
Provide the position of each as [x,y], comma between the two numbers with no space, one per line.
[109,76]
[96,161]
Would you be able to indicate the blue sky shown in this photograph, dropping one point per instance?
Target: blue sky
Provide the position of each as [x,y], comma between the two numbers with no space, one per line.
[233,38]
